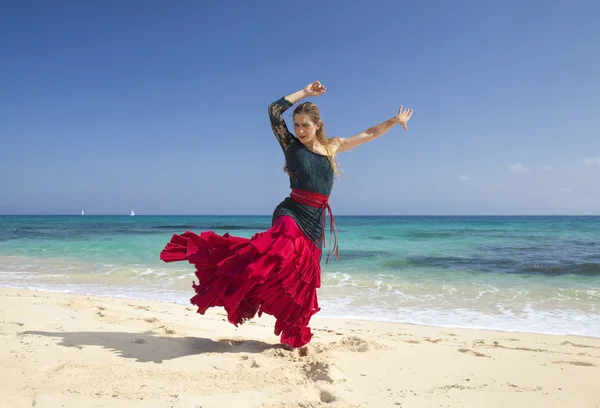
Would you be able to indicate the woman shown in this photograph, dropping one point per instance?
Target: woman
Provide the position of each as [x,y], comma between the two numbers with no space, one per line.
[278,271]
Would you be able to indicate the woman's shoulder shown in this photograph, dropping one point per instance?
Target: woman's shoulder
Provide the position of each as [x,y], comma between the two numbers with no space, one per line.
[334,143]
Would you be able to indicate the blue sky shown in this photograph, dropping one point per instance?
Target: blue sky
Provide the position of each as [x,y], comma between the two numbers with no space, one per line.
[162,106]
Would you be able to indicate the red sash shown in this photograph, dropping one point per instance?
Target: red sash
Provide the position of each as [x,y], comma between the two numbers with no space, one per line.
[319,201]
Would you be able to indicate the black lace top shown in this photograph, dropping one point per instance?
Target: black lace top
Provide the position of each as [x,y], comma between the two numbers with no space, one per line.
[307,170]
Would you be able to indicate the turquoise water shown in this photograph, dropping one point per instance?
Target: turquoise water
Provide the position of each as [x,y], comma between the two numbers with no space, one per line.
[537,274]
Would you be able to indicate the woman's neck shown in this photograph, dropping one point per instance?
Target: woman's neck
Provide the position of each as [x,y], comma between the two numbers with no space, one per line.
[312,145]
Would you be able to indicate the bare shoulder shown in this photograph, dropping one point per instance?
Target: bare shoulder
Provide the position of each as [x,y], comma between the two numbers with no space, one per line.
[335,143]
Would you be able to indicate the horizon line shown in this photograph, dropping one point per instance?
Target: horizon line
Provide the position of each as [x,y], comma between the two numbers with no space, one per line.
[270,215]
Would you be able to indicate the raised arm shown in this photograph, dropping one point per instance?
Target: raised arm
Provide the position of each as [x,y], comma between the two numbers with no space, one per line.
[372,133]
[276,109]
[278,125]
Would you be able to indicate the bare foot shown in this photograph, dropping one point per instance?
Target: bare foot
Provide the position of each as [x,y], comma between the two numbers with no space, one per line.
[302,351]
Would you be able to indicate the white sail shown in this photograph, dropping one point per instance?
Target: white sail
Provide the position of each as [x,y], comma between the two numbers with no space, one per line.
[82,213]
[132,213]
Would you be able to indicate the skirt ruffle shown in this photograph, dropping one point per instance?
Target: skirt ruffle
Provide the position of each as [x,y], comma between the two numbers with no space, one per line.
[275,272]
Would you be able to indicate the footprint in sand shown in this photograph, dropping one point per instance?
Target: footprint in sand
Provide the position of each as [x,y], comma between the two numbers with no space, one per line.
[167,330]
[355,344]
[281,353]
[568,343]
[53,368]
[322,371]
[577,363]
[17,323]
[360,345]
[326,396]
[232,342]
[472,353]
[139,307]
[249,362]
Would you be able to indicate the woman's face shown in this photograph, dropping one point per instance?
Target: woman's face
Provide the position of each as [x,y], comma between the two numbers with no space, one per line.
[305,128]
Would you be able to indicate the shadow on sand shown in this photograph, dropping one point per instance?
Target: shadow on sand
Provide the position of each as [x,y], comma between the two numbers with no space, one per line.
[149,346]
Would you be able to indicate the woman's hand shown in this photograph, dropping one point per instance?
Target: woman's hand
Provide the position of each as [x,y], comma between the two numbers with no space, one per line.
[403,116]
[315,89]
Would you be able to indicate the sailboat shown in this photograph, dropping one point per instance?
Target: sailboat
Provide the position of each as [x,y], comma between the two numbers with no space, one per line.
[132,213]
[82,213]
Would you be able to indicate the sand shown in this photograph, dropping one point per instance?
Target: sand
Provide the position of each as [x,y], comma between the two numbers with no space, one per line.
[64,350]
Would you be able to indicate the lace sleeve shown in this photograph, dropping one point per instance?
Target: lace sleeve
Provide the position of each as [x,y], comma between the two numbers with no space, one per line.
[280,129]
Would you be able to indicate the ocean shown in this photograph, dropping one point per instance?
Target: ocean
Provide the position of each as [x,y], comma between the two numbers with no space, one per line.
[531,274]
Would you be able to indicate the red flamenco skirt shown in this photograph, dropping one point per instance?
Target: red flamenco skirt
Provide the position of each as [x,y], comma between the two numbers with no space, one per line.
[275,272]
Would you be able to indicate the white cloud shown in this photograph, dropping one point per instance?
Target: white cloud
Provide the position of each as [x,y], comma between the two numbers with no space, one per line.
[592,161]
[463,177]
[565,190]
[546,167]
[518,168]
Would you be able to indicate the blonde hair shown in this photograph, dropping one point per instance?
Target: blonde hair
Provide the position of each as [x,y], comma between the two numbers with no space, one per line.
[311,110]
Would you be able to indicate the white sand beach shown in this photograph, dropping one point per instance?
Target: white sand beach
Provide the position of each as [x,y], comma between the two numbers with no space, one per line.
[64,350]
